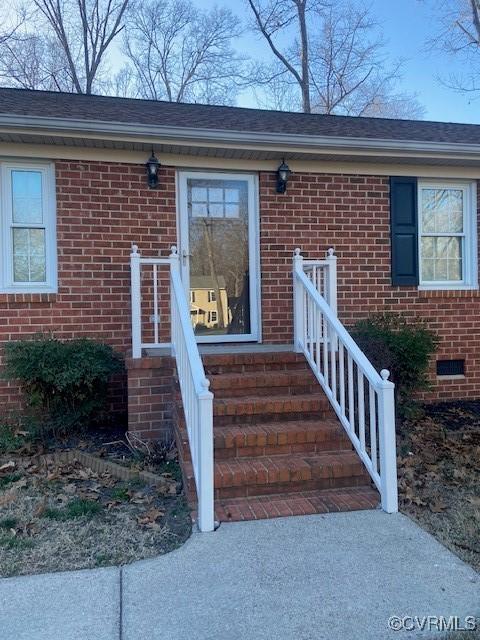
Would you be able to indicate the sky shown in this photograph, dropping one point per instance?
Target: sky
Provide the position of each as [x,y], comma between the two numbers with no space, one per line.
[405,26]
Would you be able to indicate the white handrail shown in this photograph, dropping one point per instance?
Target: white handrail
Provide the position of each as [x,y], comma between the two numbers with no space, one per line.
[362,399]
[197,400]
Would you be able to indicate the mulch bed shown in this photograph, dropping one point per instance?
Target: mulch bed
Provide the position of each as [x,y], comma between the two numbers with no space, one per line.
[439,475]
[58,512]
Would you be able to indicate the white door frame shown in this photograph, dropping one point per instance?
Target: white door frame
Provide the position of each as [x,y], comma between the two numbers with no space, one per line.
[253,247]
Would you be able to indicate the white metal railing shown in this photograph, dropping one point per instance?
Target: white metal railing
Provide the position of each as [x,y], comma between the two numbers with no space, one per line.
[362,398]
[197,399]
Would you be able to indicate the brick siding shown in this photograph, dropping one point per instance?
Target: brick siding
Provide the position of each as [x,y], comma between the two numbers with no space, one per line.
[103,208]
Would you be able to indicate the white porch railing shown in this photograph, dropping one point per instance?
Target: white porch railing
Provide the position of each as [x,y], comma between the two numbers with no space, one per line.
[197,400]
[362,399]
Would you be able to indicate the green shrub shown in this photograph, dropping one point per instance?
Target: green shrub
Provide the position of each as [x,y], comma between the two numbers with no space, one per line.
[64,382]
[405,349]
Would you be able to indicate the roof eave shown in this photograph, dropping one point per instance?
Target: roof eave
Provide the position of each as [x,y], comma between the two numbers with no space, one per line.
[63,127]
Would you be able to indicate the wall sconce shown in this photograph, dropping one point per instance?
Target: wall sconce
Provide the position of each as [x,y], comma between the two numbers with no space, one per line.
[152,165]
[283,172]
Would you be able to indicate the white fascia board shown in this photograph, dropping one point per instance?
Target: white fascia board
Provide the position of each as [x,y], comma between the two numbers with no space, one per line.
[165,134]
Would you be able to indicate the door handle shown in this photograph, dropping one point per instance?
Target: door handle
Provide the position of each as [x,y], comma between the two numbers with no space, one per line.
[185,255]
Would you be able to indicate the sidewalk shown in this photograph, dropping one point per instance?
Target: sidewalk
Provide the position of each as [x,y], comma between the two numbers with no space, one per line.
[336,576]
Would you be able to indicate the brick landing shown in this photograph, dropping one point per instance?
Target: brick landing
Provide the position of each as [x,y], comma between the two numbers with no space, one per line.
[279,449]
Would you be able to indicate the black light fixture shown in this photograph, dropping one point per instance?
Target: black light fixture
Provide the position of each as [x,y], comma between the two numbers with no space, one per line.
[153,165]
[283,173]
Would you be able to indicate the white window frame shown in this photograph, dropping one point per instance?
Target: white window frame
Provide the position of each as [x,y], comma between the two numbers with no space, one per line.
[211,296]
[211,317]
[469,235]
[7,284]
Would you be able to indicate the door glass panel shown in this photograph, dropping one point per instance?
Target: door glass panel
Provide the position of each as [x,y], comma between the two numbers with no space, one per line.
[218,246]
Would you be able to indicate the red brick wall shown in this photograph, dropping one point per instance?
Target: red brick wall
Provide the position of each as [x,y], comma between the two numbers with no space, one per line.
[103,208]
[351,214]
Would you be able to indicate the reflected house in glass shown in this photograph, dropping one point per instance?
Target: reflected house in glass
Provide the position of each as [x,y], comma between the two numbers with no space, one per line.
[205,311]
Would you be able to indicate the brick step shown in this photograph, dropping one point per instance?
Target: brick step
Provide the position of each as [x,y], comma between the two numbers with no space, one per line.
[228,385]
[295,504]
[257,409]
[286,473]
[274,438]
[256,361]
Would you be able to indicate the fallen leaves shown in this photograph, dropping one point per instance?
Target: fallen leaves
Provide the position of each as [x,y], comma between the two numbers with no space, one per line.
[439,475]
[7,467]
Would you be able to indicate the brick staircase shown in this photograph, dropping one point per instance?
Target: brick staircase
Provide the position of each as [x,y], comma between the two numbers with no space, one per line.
[279,449]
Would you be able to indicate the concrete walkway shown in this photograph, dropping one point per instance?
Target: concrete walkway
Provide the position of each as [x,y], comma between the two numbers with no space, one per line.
[336,576]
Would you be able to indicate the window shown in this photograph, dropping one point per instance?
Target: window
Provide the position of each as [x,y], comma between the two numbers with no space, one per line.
[212,316]
[211,296]
[447,235]
[28,260]
[192,296]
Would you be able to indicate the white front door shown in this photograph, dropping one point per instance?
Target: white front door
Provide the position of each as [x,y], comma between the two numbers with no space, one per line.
[219,254]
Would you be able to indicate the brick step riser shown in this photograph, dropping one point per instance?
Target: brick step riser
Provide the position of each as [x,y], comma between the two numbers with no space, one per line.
[236,392]
[222,453]
[298,486]
[288,487]
[293,390]
[261,418]
[218,369]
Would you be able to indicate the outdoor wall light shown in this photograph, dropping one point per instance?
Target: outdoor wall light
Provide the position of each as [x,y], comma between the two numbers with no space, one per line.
[283,173]
[152,165]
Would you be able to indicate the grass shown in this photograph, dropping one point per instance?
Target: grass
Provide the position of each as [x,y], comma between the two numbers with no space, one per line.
[8,479]
[77,508]
[13,542]
[121,494]
[8,523]
[172,467]
[61,516]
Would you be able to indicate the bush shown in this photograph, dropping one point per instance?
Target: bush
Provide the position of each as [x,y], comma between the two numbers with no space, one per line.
[65,383]
[405,349]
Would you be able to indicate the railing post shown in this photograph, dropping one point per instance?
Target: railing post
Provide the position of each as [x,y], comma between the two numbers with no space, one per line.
[387,444]
[332,279]
[174,266]
[135,297]
[298,309]
[206,513]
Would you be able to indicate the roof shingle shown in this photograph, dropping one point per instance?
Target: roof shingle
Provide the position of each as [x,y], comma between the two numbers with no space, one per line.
[234,119]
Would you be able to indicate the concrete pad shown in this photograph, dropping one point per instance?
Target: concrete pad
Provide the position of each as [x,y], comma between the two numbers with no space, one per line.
[336,576]
[73,605]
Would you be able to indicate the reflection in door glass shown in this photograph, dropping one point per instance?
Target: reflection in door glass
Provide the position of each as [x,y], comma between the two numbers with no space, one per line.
[218,239]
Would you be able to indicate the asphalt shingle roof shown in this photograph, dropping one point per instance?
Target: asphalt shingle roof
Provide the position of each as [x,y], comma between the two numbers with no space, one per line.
[235,119]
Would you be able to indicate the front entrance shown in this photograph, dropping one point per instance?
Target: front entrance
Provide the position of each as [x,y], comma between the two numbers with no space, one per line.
[219,254]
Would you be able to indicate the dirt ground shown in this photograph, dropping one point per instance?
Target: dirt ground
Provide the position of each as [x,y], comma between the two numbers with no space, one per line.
[439,475]
[62,516]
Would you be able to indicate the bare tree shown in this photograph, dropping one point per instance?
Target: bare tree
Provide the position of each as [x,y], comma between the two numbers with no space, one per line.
[182,54]
[458,36]
[32,61]
[334,62]
[68,49]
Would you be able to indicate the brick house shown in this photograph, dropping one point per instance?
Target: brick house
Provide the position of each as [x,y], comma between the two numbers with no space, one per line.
[397,200]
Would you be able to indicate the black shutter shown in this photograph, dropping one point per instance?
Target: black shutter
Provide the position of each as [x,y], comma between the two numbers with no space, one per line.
[404,230]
